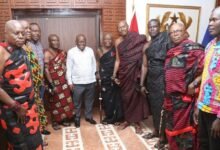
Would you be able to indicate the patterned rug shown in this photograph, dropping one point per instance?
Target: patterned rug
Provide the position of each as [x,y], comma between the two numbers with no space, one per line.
[72,139]
[110,139]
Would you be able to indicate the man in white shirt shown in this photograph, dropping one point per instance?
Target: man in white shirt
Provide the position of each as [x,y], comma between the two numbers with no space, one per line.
[81,70]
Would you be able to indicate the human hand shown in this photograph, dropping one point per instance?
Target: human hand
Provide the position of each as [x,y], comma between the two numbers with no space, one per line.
[117,81]
[71,86]
[215,129]
[196,116]
[144,91]
[191,89]
[97,75]
[20,111]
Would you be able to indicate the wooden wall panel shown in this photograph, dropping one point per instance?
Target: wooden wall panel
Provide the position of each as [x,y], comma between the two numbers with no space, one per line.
[57,4]
[26,4]
[112,10]
[5,15]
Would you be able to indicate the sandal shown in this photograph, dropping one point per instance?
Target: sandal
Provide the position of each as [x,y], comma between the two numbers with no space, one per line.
[56,126]
[117,123]
[123,125]
[149,136]
[138,130]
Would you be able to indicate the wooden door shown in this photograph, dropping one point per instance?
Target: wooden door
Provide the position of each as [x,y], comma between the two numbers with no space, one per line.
[65,26]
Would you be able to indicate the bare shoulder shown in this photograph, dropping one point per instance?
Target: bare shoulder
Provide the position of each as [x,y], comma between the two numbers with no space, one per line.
[118,41]
[4,56]
[146,45]
[99,52]
[47,53]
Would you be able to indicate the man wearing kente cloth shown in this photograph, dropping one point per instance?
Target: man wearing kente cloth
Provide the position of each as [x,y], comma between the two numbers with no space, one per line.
[110,92]
[34,50]
[183,68]
[127,72]
[61,105]
[18,114]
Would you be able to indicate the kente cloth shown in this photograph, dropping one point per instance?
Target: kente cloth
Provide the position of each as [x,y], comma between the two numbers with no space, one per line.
[61,104]
[130,51]
[183,64]
[37,78]
[110,92]
[16,80]
[156,54]
[37,48]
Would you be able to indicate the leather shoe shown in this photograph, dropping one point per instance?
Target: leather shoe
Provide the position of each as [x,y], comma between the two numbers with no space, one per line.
[91,121]
[77,123]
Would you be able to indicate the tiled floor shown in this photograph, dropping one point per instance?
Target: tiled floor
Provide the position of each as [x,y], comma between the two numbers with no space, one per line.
[99,137]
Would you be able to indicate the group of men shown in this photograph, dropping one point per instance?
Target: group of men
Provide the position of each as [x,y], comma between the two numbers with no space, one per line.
[182,86]
[180,80]
[169,76]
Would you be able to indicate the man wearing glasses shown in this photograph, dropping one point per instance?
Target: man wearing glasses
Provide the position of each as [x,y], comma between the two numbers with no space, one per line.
[183,68]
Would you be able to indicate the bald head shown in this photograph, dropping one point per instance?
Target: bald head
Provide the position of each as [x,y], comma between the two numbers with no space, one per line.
[14,33]
[9,25]
[81,41]
[214,22]
[27,30]
[54,41]
[177,32]
[107,40]
[123,28]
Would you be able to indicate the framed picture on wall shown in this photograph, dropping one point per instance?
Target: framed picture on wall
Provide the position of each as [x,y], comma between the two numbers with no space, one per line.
[167,14]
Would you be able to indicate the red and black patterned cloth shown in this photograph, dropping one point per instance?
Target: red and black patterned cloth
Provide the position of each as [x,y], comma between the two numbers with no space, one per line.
[130,53]
[61,104]
[17,82]
[183,64]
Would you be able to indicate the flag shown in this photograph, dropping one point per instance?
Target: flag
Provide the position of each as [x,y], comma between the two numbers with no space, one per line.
[207,38]
[134,24]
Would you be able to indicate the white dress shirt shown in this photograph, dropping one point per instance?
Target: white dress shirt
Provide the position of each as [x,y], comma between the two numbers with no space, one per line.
[81,66]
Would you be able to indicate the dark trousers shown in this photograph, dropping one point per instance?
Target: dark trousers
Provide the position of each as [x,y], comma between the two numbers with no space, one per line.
[84,92]
[3,140]
[206,141]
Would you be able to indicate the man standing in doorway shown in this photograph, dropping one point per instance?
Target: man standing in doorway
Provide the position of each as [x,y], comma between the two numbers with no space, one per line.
[61,104]
[81,70]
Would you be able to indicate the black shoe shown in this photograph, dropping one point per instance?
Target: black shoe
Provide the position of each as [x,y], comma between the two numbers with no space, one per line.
[77,123]
[91,121]
[45,132]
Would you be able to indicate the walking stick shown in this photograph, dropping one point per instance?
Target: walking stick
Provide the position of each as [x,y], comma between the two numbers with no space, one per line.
[100,100]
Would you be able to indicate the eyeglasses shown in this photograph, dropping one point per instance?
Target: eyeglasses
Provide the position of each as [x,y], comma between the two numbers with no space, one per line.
[175,32]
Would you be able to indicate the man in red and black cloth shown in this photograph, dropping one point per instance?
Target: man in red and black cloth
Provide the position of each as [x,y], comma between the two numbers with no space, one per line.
[18,115]
[61,104]
[127,72]
[183,68]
